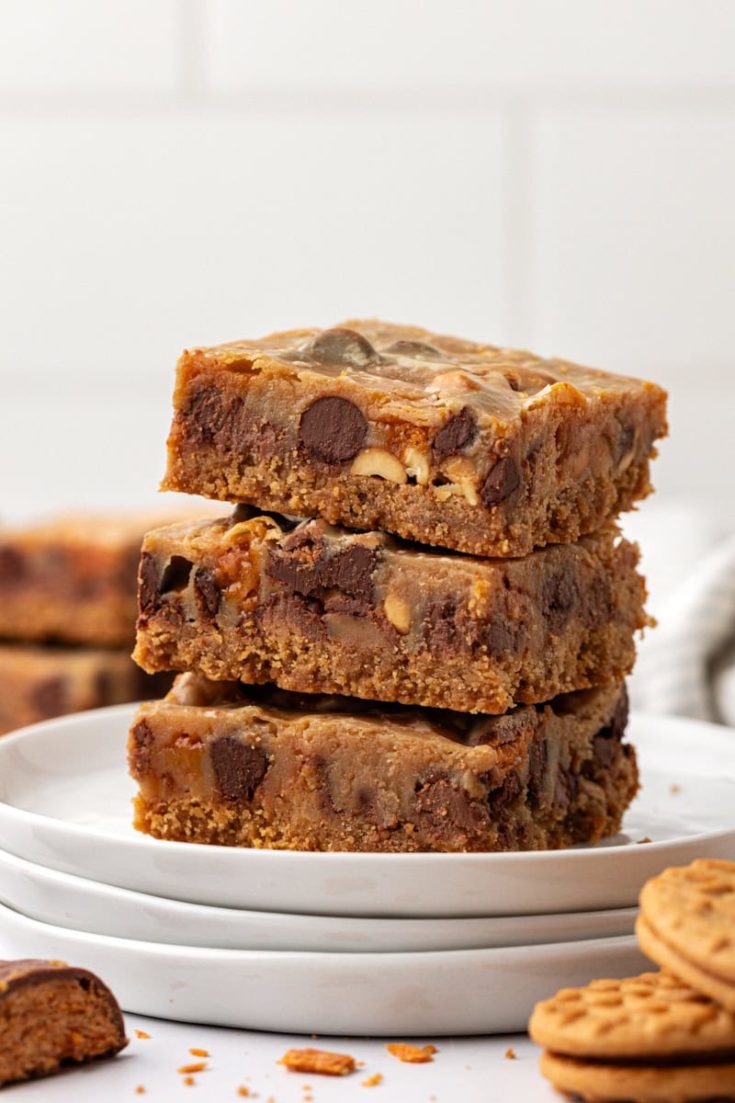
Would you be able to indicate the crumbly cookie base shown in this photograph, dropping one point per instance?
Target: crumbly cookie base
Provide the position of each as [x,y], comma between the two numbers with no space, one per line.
[481,683]
[286,485]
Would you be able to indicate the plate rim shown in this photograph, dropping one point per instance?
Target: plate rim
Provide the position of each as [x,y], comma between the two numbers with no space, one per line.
[132,895]
[203,954]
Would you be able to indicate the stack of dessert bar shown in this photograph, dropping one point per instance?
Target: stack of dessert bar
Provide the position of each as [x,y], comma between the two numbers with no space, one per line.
[67,615]
[413,631]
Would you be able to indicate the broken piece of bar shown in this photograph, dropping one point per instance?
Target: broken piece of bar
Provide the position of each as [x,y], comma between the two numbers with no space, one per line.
[52,1014]
[318,609]
[255,766]
[72,579]
[37,683]
[484,450]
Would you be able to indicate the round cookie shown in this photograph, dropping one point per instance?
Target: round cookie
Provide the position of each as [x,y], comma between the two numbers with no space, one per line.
[606,1083]
[688,924]
[655,1016]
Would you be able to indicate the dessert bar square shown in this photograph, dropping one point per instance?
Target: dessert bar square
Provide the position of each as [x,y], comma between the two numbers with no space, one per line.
[485,450]
[72,579]
[37,683]
[319,609]
[255,766]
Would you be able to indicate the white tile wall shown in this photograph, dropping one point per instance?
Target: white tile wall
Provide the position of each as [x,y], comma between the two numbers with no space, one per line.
[552,173]
[634,239]
[50,46]
[143,235]
[477,43]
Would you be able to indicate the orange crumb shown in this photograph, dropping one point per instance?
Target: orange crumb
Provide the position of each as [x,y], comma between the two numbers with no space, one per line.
[675,789]
[142,1034]
[373,1081]
[318,1061]
[195,1066]
[243,1091]
[511,1054]
[140,1090]
[412,1055]
[199,1052]
[189,1081]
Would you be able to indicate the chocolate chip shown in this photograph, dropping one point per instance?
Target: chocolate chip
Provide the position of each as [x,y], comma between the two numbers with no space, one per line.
[291,614]
[203,415]
[342,346]
[238,767]
[309,571]
[104,687]
[213,417]
[440,626]
[49,697]
[12,566]
[175,577]
[502,481]
[559,595]
[499,637]
[415,348]
[207,593]
[140,749]
[538,755]
[333,429]
[147,584]
[502,797]
[565,790]
[351,570]
[457,433]
[448,807]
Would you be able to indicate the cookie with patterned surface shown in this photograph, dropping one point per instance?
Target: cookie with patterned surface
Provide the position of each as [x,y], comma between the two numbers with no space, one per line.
[651,1038]
[687,924]
[655,1015]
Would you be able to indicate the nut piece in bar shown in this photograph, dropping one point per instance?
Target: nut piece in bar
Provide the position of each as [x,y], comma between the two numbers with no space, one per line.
[447,442]
[72,579]
[38,682]
[240,765]
[318,609]
[53,1014]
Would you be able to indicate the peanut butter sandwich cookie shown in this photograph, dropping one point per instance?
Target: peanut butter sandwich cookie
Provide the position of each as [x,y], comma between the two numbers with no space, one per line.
[687,925]
[647,1039]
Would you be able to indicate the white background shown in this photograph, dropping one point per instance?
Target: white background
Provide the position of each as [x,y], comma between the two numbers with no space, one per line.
[557,174]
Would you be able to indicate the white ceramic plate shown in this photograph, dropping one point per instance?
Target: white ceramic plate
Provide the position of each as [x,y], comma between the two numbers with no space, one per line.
[65,803]
[459,992]
[91,906]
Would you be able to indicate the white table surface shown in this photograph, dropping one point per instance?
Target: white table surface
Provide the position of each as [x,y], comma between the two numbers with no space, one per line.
[464,1070]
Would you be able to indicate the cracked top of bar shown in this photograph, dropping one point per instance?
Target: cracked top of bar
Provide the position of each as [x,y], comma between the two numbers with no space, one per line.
[444,441]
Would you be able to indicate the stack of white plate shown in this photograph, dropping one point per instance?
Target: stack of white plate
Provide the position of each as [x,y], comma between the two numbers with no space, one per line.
[414,944]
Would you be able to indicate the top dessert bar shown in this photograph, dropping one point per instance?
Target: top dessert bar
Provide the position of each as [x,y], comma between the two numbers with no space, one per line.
[72,579]
[377,426]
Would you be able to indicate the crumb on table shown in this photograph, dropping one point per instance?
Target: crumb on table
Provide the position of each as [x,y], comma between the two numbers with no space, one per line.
[373,1081]
[319,1061]
[412,1055]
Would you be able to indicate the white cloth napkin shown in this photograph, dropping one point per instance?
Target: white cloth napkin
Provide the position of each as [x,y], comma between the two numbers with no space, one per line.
[686,665]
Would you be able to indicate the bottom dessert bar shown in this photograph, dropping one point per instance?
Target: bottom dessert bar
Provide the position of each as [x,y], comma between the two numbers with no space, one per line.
[37,683]
[240,765]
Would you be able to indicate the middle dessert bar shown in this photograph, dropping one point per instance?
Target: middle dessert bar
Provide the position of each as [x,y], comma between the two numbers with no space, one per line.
[253,766]
[318,609]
